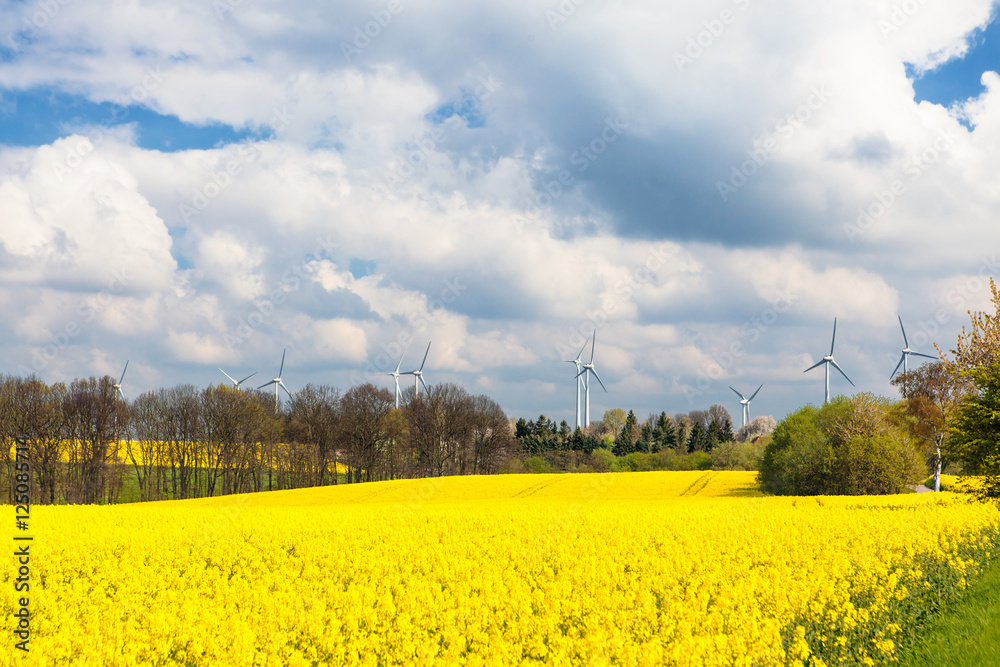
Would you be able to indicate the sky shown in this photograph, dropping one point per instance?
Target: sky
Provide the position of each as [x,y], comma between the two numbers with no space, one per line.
[703,187]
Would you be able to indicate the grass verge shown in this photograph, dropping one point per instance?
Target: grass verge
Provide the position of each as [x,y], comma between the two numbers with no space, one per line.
[966,634]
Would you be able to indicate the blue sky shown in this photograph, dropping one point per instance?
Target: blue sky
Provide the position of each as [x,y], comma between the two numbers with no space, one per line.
[959,79]
[189,185]
[39,116]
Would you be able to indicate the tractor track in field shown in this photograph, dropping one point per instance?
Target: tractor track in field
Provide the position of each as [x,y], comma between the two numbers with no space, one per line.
[704,479]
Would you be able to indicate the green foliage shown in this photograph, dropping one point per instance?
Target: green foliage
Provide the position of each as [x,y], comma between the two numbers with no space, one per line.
[602,460]
[850,446]
[975,432]
[627,436]
[536,464]
[738,455]
[967,633]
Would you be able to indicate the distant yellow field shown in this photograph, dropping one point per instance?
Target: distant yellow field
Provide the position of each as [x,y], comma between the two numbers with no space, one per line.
[137,457]
[675,568]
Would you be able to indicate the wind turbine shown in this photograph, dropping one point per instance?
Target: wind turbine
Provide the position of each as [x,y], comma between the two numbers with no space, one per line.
[277,382]
[828,361]
[395,376]
[418,375]
[745,402]
[118,385]
[906,352]
[579,382]
[236,383]
[589,369]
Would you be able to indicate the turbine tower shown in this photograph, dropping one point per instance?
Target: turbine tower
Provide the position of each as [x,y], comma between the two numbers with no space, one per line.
[906,352]
[828,361]
[237,383]
[278,383]
[745,402]
[418,375]
[118,385]
[588,369]
[395,376]
[579,381]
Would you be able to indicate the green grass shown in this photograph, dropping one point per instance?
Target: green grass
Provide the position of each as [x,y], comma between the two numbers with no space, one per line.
[966,634]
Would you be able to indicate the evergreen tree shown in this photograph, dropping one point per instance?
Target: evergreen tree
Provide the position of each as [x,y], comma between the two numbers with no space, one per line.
[696,439]
[665,434]
[727,431]
[645,443]
[522,430]
[628,436]
[714,435]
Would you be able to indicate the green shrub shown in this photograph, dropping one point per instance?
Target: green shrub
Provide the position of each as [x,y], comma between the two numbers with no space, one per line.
[536,464]
[851,446]
[602,460]
[735,455]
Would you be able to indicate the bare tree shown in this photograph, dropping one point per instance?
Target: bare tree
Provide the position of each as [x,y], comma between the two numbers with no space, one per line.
[96,419]
[367,429]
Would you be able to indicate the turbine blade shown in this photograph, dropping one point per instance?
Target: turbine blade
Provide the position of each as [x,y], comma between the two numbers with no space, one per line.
[921,354]
[599,380]
[755,393]
[120,394]
[426,390]
[579,357]
[593,344]
[901,359]
[742,397]
[834,339]
[425,355]
[400,362]
[282,385]
[818,363]
[266,384]
[842,372]
[282,367]
[246,378]
[227,375]
[123,372]
[905,342]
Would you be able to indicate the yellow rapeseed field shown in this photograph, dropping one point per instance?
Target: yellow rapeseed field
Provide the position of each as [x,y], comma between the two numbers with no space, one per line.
[673,568]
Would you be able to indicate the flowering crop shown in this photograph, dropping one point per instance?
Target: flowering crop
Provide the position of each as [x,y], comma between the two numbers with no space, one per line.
[676,568]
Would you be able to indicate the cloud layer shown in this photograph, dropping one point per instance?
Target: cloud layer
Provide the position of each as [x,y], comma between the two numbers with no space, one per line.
[707,186]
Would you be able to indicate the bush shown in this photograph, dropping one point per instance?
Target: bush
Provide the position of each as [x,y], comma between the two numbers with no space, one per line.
[536,464]
[602,460]
[850,446]
[638,462]
[736,455]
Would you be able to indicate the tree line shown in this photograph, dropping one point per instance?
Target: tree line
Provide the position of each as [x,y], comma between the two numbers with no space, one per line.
[623,434]
[88,445]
